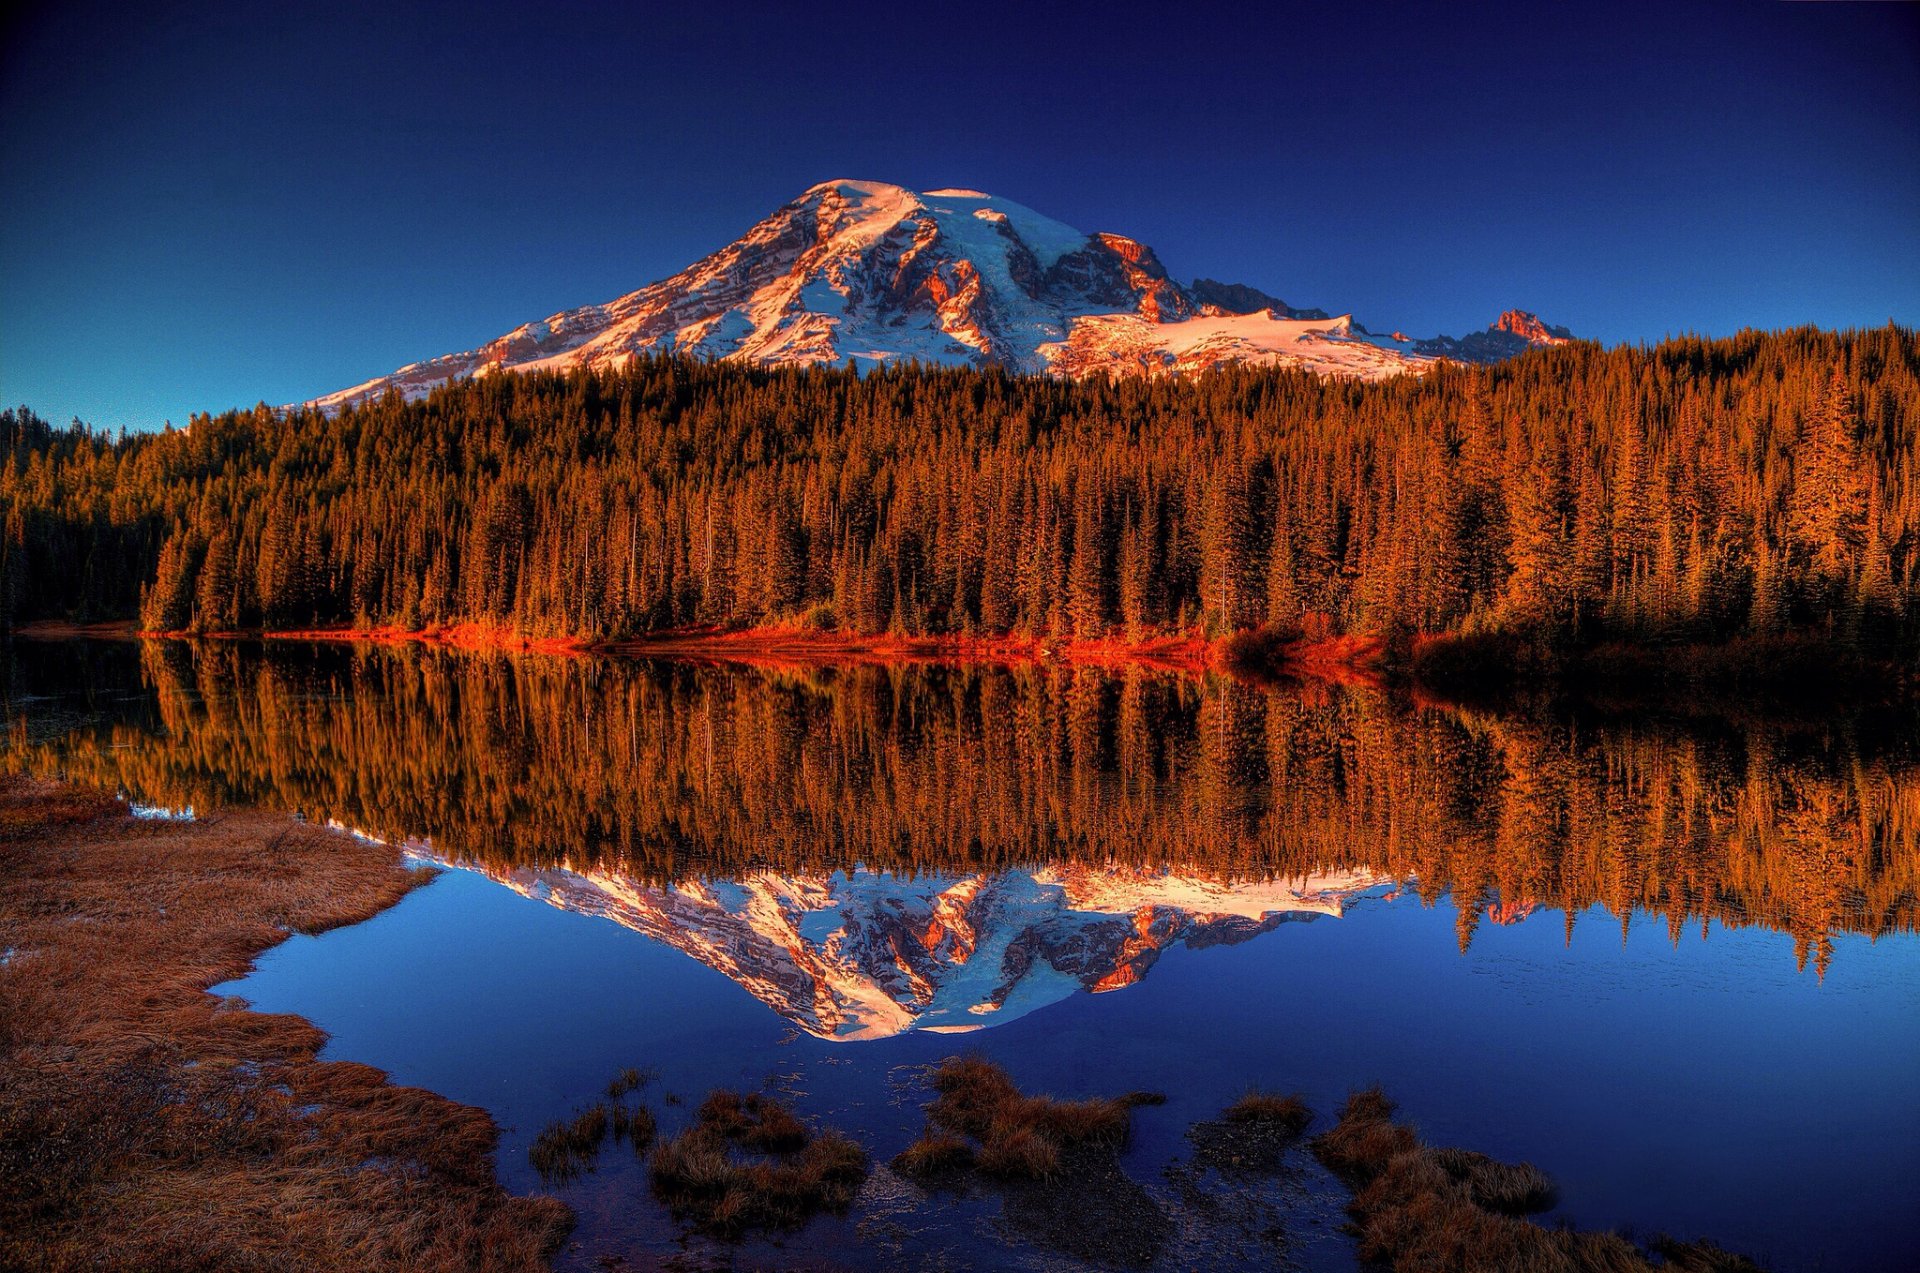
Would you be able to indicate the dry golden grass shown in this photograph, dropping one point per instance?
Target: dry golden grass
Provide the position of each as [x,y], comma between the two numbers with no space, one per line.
[1021,1136]
[701,1180]
[566,1149]
[799,1174]
[1418,1209]
[628,1080]
[146,1125]
[1286,1113]
[936,1155]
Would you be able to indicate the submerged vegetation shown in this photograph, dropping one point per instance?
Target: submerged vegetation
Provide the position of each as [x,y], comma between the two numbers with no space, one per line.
[750,1163]
[1055,1162]
[1696,491]
[145,1124]
[1019,1136]
[568,1148]
[1418,1209]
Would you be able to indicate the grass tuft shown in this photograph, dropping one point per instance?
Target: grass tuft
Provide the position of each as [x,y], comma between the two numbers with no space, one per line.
[1015,1152]
[567,1148]
[635,1125]
[1287,1113]
[936,1155]
[1021,1136]
[793,1175]
[628,1081]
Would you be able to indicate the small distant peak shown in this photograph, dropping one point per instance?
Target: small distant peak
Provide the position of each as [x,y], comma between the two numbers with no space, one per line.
[957,193]
[1528,327]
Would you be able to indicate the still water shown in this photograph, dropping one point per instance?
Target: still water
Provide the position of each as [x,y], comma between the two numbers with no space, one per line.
[1673,962]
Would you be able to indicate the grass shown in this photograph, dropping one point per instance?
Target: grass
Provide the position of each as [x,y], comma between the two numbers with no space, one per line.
[936,1155]
[635,1124]
[1021,1136]
[1420,1209]
[1055,1162]
[567,1148]
[1252,1136]
[146,1125]
[628,1081]
[705,1177]
[1288,1113]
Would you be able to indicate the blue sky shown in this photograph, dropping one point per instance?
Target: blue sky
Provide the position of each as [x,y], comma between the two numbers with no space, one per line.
[211,205]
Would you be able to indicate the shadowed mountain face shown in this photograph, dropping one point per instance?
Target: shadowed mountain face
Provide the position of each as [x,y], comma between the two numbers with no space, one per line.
[880,848]
[861,955]
[875,273]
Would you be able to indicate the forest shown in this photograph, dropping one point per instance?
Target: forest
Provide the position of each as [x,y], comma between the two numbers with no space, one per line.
[1691,492]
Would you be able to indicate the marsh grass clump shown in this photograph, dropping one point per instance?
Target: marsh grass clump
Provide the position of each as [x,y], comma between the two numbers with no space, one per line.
[1515,1189]
[1055,1162]
[1365,1139]
[1701,1257]
[634,1124]
[1420,1209]
[1019,1153]
[628,1081]
[1289,1113]
[1252,1135]
[566,1148]
[1021,1136]
[936,1155]
[569,1147]
[793,1174]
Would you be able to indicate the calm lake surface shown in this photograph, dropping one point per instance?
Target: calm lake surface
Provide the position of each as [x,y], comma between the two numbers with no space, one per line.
[1673,962]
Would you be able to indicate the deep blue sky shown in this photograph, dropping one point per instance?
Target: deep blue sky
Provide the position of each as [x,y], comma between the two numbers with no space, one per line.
[210,205]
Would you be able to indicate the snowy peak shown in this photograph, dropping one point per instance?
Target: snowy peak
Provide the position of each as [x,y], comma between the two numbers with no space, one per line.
[873,272]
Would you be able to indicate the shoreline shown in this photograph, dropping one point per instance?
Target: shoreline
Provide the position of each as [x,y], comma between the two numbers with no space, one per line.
[146,1124]
[1463,669]
[1334,658]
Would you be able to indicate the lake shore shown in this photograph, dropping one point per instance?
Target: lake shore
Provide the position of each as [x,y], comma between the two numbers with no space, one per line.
[146,1124]
[1492,668]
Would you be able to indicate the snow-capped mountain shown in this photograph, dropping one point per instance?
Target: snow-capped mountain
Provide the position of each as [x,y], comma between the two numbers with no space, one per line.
[865,955]
[876,273]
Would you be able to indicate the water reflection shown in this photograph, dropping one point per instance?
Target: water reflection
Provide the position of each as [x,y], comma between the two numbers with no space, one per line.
[873,849]
[858,955]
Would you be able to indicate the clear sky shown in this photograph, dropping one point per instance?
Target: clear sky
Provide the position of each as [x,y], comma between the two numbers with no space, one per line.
[208,205]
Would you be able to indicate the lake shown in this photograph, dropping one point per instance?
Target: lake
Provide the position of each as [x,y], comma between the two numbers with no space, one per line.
[1670,958]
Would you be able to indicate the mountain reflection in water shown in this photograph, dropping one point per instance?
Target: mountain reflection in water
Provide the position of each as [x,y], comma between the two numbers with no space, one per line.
[875,849]
[856,955]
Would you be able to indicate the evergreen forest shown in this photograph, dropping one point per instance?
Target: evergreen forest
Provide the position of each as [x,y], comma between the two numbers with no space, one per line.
[1692,492]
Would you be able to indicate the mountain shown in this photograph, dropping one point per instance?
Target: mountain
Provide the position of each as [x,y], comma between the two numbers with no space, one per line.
[867,955]
[875,273]
[1514,333]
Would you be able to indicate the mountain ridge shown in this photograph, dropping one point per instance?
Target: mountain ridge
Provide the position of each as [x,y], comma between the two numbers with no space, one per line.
[870,272]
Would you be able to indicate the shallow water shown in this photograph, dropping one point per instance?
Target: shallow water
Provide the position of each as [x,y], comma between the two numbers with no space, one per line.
[808,880]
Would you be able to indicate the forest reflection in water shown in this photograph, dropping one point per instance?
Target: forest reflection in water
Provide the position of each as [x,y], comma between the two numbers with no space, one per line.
[661,773]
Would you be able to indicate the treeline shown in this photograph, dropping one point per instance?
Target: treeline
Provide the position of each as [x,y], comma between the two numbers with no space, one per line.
[1691,491]
[667,772]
